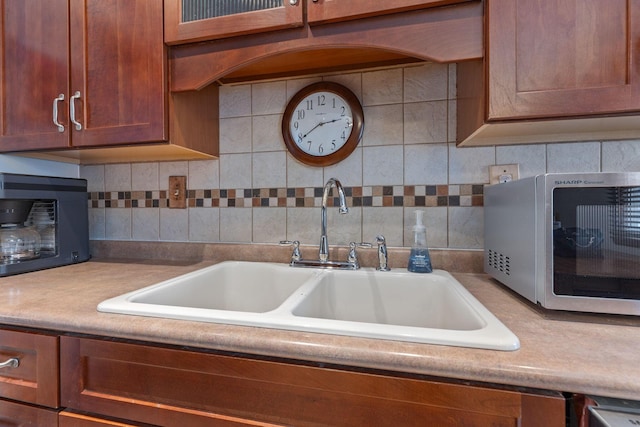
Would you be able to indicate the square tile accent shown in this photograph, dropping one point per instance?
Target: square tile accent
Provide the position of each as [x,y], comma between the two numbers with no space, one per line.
[374,196]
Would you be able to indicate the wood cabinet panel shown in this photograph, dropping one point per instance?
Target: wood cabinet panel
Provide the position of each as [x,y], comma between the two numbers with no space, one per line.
[33,73]
[108,52]
[35,379]
[175,387]
[118,66]
[562,58]
[18,415]
[70,419]
[288,15]
[454,32]
[324,11]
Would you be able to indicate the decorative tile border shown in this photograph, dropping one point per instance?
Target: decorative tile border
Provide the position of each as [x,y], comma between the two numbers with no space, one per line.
[369,196]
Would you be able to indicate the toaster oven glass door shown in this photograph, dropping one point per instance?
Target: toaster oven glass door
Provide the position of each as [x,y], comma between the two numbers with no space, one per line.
[596,242]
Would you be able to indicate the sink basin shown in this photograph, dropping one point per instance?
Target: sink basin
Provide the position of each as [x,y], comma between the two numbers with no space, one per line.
[391,299]
[424,308]
[234,285]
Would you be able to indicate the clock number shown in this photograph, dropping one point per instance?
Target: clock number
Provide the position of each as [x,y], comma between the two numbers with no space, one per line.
[299,138]
[309,104]
[320,149]
[300,114]
[333,145]
[343,110]
[321,100]
[296,125]
[344,136]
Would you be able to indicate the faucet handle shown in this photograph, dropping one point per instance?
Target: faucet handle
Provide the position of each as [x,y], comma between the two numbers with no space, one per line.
[383,255]
[295,255]
[353,255]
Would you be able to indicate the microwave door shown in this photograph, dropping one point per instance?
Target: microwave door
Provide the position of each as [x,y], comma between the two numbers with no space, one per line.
[596,242]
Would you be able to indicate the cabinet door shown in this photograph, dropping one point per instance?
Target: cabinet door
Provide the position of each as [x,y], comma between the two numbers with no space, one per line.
[196,20]
[171,387]
[320,11]
[557,58]
[33,73]
[118,72]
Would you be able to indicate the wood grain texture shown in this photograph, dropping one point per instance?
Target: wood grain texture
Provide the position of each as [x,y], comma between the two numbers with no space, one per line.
[35,61]
[442,34]
[324,11]
[175,387]
[35,380]
[16,415]
[109,51]
[118,64]
[562,58]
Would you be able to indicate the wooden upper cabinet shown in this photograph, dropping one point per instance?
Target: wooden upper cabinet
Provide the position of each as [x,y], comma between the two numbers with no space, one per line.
[558,58]
[196,20]
[34,72]
[102,61]
[118,69]
[321,11]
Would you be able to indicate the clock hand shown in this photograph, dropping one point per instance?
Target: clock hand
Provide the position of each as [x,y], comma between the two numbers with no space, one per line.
[312,129]
[318,125]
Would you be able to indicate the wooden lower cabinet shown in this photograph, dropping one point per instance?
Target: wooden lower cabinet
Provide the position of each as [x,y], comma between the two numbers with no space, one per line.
[29,391]
[13,414]
[174,387]
[34,377]
[71,419]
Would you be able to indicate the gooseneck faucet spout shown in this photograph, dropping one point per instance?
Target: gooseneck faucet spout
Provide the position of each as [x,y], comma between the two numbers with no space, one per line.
[323,254]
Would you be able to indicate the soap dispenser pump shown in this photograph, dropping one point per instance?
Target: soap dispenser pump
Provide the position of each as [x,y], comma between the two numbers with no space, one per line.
[419,259]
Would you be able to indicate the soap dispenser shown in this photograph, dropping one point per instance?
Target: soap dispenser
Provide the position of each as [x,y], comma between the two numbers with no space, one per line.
[419,259]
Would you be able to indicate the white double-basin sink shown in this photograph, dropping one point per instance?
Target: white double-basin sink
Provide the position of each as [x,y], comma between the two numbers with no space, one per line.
[396,305]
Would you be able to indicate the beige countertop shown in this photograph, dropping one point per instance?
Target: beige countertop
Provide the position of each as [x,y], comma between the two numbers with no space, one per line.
[591,354]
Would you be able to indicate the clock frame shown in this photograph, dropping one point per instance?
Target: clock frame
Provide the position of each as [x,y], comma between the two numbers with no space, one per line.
[293,109]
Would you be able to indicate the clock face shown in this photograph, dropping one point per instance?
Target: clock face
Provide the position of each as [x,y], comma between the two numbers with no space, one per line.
[322,124]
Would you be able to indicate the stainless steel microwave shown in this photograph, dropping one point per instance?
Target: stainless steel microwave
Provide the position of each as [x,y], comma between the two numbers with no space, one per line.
[567,241]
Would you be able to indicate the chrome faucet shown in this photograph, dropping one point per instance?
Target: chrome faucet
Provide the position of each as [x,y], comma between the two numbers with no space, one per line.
[323,253]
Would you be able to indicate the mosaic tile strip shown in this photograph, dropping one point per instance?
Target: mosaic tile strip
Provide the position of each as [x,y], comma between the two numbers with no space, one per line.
[370,196]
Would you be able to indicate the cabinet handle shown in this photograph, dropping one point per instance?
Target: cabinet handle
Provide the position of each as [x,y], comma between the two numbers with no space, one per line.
[10,363]
[55,112]
[72,110]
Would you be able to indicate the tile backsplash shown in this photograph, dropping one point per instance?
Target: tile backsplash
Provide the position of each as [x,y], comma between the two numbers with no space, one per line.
[407,160]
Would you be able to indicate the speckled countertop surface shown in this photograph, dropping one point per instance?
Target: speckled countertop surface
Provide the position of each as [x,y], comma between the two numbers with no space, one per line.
[559,351]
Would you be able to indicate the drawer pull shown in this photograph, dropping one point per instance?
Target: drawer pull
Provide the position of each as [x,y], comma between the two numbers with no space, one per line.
[10,363]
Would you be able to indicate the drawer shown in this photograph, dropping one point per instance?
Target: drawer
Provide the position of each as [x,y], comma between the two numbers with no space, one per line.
[16,415]
[34,378]
[71,419]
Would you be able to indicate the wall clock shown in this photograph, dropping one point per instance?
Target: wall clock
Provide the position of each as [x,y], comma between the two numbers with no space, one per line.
[322,124]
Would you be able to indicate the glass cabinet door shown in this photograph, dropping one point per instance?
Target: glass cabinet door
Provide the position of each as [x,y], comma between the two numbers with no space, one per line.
[196,20]
[193,10]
